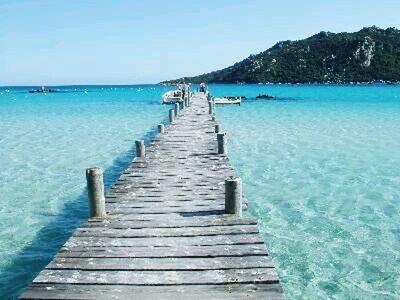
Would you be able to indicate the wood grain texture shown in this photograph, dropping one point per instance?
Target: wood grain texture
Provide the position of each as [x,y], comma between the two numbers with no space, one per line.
[175,292]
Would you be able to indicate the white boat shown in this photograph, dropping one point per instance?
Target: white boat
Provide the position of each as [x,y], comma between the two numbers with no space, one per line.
[228,100]
[174,96]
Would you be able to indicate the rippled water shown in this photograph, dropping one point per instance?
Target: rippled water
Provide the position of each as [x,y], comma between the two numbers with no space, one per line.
[320,164]
[46,142]
[321,169]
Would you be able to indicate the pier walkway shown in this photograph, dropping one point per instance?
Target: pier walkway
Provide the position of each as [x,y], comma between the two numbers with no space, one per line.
[166,234]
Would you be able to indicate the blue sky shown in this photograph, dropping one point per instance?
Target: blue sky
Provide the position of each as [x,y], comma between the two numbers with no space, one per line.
[109,42]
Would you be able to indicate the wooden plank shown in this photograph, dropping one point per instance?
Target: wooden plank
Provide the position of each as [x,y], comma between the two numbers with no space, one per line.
[174,264]
[166,210]
[165,214]
[166,204]
[171,223]
[153,201]
[237,239]
[172,251]
[175,292]
[159,217]
[236,276]
[159,232]
[170,188]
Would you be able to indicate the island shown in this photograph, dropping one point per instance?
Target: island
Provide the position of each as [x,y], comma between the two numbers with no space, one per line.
[368,56]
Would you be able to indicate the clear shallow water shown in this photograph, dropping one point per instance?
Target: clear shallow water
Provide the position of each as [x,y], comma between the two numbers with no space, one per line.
[321,170]
[320,167]
[46,142]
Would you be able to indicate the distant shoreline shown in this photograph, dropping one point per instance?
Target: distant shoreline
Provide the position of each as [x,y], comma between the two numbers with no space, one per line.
[381,83]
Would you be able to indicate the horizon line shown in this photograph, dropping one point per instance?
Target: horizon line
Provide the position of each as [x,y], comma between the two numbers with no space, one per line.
[77,84]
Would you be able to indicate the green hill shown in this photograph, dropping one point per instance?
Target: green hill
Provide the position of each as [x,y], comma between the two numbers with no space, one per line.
[371,54]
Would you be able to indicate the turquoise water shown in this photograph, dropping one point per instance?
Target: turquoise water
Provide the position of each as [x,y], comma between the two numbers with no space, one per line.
[320,165]
[46,142]
[321,169]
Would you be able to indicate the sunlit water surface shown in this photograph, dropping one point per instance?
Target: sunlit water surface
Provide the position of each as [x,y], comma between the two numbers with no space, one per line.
[46,142]
[320,165]
[321,170]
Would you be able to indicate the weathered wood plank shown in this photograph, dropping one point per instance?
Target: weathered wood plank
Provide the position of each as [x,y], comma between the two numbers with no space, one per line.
[159,232]
[159,217]
[175,292]
[164,210]
[171,223]
[172,251]
[256,275]
[175,264]
[181,205]
[164,242]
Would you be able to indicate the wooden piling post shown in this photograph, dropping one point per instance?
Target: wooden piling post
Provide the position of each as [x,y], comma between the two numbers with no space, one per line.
[161,128]
[176,109]
[211,107]
[222,143]
[140,149]
[233,196]
[216,128]
[95,186]
[171,115]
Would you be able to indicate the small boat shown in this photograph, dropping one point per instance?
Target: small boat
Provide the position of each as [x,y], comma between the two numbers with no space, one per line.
[172,97]
[42,90]
[175,96]
[228,100]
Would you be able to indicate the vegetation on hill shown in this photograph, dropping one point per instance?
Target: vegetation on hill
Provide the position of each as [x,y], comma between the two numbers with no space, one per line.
[371,54]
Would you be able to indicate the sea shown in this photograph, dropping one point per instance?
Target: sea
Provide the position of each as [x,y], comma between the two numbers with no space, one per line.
[320,166]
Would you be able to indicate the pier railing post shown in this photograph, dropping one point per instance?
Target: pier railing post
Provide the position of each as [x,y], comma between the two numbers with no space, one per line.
[95,186]
[233,196]
[216,128]
[222,143]
[140,149]
[171,115]
[213,118]
[161,128]
[176,109]
[211,107]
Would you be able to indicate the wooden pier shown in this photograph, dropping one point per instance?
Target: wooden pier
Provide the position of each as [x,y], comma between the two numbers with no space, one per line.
[167,234]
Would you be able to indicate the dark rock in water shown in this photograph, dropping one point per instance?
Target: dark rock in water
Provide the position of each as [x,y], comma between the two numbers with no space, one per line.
[242,97]
[264,96]
[235,97]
